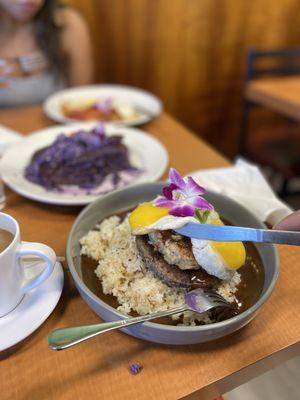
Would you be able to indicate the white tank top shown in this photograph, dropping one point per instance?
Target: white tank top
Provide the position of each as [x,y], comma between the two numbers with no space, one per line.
[30,90]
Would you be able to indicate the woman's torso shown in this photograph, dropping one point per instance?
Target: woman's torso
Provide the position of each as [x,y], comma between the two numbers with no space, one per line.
[25,73]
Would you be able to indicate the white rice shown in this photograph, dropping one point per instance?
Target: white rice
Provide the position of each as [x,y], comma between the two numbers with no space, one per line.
[122,273]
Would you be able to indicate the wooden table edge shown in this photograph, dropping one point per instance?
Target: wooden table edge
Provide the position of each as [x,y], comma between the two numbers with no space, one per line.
[244,375]
[280,105]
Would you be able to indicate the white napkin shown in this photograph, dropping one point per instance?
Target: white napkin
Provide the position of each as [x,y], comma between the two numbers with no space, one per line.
[245,184]
[7,137]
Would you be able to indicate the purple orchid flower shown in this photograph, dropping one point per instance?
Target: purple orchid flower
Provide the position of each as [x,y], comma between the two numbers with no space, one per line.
[182,196]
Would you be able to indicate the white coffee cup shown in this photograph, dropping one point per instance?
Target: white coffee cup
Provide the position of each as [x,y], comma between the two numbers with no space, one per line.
[13,282]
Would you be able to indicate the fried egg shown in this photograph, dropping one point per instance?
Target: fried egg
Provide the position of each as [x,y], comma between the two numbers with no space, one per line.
[220,259]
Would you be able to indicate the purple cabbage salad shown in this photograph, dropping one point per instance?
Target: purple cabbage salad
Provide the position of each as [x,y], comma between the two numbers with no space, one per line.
[85,162]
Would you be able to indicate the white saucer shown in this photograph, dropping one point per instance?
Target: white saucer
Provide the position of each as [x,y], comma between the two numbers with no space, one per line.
[32,311]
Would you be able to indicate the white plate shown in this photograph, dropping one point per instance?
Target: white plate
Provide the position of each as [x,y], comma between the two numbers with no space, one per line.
[32,311]
[148,105]
[145,152]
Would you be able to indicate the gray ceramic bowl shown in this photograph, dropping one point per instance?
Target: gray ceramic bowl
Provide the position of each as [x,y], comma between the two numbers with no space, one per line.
[127,198]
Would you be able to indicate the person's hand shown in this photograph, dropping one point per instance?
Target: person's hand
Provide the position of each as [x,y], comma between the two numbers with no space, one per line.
[5,71]
[289,223]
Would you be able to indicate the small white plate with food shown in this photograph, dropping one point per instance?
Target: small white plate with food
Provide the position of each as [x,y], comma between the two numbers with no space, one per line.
[76,164]
[115,104]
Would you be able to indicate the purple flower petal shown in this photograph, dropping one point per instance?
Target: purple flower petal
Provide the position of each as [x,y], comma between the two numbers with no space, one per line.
[182,211]
[176,179]
[168,191]
[200,202]
[135,368]
[192,187]
[162,202]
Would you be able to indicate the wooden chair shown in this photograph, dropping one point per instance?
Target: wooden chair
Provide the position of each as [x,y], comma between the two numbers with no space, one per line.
[279,148]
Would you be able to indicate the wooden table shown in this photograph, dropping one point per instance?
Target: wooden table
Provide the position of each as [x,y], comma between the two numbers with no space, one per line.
[98,369]
[279,94]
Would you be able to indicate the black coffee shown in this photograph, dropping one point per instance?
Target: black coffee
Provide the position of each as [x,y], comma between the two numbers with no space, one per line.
[5,239]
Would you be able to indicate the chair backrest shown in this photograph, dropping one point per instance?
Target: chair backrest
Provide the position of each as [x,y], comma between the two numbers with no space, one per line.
[283,62]
[261,63]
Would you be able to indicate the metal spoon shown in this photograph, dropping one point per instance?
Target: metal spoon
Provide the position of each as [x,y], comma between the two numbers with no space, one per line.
[198,300]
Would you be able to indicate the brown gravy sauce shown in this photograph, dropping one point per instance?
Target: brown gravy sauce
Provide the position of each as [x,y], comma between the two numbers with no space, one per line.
[249,289]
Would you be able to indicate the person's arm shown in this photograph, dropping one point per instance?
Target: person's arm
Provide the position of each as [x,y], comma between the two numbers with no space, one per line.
[76,43]
[290,223]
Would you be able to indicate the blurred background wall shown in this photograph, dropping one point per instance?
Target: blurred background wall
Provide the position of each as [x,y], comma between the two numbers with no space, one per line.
[191,53]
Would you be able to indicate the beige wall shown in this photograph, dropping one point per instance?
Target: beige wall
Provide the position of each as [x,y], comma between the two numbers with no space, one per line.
[189,52]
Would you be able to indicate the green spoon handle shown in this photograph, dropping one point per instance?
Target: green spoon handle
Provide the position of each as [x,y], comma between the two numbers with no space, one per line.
[66,337]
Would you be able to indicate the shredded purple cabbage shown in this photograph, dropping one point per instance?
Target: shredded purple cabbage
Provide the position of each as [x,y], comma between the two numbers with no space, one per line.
[84,159]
